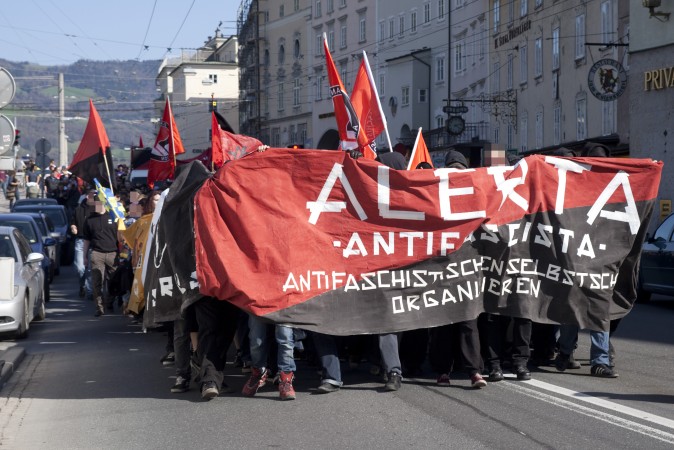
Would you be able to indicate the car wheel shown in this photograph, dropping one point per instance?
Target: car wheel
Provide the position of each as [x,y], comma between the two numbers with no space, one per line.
[46,293]
[42,309]
[22,332]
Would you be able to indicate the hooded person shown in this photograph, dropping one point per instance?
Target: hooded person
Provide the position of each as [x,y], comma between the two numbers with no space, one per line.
[394,160]
[455,160]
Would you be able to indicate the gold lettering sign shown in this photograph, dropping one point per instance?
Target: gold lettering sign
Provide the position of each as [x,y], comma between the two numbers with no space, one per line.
[659,79]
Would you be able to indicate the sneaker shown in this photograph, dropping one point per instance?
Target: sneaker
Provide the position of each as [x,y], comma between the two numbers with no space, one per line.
[496,374]
[98,313]
[573,364]
[562,361]
[477,382]
[443,380]
[522,373]
[326,388]
[246,367]
[182,385]
[258,378]
[238,362]
[394,381]
[168,359]
[285,386]
[209,390]
[603,371]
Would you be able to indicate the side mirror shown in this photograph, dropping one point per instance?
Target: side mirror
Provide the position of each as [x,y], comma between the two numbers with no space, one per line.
[34,258]
[49,241]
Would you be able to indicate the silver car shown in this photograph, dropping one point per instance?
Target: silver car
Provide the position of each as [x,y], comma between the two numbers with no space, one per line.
[21,284]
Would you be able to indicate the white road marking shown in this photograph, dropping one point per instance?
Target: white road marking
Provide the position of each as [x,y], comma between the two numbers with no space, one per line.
[595,413]
[57,342]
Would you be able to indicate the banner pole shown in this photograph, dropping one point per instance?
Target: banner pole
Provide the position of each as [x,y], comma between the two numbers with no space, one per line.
[107,169]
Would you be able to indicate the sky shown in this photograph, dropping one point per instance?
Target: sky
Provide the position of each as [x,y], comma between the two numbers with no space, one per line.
[60,32]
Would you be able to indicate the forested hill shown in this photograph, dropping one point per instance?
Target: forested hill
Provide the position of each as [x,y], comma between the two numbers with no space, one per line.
[123,93]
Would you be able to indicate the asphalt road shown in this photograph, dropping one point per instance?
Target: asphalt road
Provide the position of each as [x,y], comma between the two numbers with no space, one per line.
[97,383]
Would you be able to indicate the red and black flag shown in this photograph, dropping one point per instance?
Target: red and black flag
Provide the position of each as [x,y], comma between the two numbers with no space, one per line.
[167,145]
[321,241]
[93,158]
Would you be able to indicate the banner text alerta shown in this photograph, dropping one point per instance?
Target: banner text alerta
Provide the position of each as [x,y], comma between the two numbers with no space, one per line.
[317,240]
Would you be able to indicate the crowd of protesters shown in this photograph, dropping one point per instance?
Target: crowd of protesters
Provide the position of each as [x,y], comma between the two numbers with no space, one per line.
[479,350]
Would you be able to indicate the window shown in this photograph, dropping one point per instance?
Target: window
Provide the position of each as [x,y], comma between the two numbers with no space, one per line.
[342,36]
[296,5]
[557,124]
[281,10]
[581,118]
[382,31]
[362,27]
[510,135]
[440,69]
[280,97]
[342,3]
[391,28]
[441,9]
[607,28]
[281,54]
[276,137]
[664,231]
[382,84]
[511,10]
[458,3]
[483,40]
[331,39]
[496,78]
[302,133]
[459,57]
[317,11]
[344,74]
[497,134]
[555,49]
[330,6]
[524,123]
[401,30]
[319,87]
[539,129]
[213,77]
[296,49]
[524,6]
[319,45]
[423,94]
[538,3]
[538,57]
[509,75]
[607,117]
[524,64]
[497,15]
[427,12]
[293,134]
[296,92]
[413,22]
[580,36]
[405,96]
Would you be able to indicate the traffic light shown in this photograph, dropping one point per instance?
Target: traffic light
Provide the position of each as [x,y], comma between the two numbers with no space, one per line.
[296,146]
[17,137]
[212,105]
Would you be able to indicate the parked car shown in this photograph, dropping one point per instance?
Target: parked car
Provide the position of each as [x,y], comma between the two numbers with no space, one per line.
[656,275]
[31,232]
[47,229]
[35,201]
[58,215]
[21,283]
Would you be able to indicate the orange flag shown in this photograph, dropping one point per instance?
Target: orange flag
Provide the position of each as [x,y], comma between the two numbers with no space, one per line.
[419,153]
[365,100]
[167,145]
[347,120]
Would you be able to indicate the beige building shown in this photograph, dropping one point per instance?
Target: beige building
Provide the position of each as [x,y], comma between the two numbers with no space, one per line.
[195,82]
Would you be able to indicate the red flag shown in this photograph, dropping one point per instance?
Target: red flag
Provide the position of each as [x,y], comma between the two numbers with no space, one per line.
[89,161]
[167,145]
[140,143]
[419,153]
[217,156]
[366,103]
[347,120]
[235,146]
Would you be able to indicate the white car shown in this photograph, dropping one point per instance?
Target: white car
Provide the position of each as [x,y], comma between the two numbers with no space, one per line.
[21,284]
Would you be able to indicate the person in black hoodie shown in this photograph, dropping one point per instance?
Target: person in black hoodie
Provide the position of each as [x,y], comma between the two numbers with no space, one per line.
[82,211]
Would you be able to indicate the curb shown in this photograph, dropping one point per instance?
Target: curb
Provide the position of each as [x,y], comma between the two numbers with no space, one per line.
[11,358]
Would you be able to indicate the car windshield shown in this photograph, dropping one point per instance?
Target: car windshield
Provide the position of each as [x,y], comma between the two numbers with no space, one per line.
[24,227]
[41,226]
[6,247]
[56,216]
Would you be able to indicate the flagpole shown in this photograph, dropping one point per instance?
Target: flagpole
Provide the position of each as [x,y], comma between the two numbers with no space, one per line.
[376,95]
[414,149]
[107,169]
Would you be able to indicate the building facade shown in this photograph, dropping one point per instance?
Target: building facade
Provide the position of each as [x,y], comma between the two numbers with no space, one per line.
[196,83]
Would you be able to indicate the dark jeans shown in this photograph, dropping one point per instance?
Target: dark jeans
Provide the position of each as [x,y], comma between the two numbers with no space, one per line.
[497,331]
[217,324]
[455,344]
[102,267]
[326,348]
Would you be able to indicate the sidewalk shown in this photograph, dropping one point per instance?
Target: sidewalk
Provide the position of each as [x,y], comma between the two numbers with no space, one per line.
[11,352]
